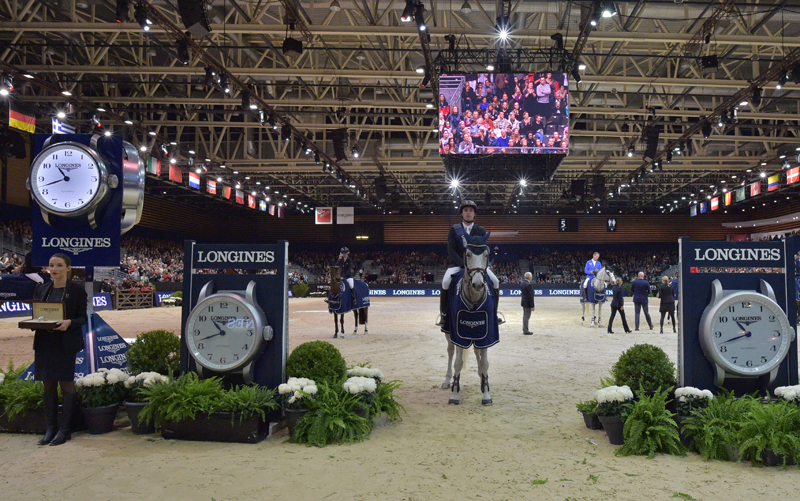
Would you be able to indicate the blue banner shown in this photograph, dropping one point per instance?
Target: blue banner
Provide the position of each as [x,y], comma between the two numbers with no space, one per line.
[75,236]
[540,292]
[159,296]
[100,301]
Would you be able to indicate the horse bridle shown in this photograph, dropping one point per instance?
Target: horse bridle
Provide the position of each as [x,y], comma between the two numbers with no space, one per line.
[470,272]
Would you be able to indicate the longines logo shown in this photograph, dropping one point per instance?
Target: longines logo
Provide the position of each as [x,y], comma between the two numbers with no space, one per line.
[65,166]
[737,255]
[236,256]
[747,320]
[76,245]
[472,323]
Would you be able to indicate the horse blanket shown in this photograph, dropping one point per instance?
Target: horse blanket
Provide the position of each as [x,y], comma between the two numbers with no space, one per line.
[342,302]
[467,327]
[589,295]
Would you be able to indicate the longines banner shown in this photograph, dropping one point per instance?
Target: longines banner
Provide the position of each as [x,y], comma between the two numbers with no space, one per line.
[323,215]
[74,236]
[399,292]
[344,215]
[16,309]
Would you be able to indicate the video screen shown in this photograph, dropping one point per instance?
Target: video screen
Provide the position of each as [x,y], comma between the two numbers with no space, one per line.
[503,113]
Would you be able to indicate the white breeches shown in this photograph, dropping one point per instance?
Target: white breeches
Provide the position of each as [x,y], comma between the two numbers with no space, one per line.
[350,283]
[448,276]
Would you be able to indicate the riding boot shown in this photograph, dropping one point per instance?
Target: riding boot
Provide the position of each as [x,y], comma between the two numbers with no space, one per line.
[51,417]
[67,414]
[496,297]
[442,321]
[353,296]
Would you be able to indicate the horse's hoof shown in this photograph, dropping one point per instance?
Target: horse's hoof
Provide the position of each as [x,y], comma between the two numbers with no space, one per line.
[453,401]
[486,401]
[445,386]
[366,331]
[335,336]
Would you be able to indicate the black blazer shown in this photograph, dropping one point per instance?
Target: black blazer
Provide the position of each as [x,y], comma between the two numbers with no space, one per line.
[527,294]
[74,309]
[345,267]
[455,247]
[665,293]
[619,294]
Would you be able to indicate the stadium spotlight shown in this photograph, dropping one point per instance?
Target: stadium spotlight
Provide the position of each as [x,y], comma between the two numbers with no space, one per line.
[669,156]
[245,100]
[211,77]
[490,67]
[723,118]
[419,17]
[223,83]
[756,100]
[781,81]
[631,150]
[608,9]
[408,12]
[316,157]
[286,132]
[558,40]
[425,80]
[140,14]
[576,74]
[355,151]
[465,7]
[96,121]
[183,52]
[262,118]
[122,11]
[595,17]
[706,129]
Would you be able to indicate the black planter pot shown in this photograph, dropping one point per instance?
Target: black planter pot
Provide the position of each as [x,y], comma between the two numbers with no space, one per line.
[133,409]
[34,421]
[771,459]
[217,427]
[686,441]
[592,421]
[613,426]
[100,420]
[361,412]
[292,417]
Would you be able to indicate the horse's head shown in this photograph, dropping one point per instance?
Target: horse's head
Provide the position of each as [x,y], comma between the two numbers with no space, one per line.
[336,282]
[603,276]
[476,260]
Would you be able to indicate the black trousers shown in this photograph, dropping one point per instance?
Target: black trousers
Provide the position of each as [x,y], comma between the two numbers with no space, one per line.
[614,311]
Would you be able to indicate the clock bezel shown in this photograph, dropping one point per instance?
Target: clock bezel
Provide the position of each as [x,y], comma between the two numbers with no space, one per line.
[707,334]
[258,342]
[91,205]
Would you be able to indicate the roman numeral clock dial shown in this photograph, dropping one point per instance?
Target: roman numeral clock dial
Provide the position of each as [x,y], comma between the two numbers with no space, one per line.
[745,333]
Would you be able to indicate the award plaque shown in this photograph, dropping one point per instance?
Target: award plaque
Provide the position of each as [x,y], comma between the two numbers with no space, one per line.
[45,316]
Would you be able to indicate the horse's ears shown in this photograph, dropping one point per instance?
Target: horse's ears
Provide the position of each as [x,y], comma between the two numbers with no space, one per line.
[486,237]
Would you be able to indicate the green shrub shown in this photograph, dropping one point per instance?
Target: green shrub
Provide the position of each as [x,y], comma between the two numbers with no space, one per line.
[317,360]
[774,426]
[716,427]
[646,367]
[177,294]
[626,286]
[155,351]
[21,397]
[649,428]
[184,397]
[331,418]
[300,290]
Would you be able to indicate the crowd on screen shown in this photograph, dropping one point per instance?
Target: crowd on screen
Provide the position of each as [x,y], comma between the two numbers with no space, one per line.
[506,113]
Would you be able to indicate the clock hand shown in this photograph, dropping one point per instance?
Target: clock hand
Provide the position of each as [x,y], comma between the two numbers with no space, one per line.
[220,333]
[744,329]
[62,172]
[218,327]
[746,334]
[54,182]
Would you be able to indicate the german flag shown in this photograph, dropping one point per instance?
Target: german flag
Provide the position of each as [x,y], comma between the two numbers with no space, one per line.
[22,116]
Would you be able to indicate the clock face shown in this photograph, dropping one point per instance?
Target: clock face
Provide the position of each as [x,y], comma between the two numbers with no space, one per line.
[65,178]
[749,333]
[223,332]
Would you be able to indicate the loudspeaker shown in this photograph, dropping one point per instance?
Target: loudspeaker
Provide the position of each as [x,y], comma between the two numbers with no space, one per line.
[650,136]
[578,187]
[292,47]
[339,139]
[380,188]
[709,61]
[599,186]
[193,15]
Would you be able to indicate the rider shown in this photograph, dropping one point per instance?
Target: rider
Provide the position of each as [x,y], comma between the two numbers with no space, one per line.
[593,266]
[456,245]
[345,265]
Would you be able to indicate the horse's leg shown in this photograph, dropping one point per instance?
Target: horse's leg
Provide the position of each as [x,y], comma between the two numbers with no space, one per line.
[599,314]
[454,398]
[365,312]
[483,370]
[583,312]
[336,325]
[451,349]
[594,316]
[355,315]
[341,324]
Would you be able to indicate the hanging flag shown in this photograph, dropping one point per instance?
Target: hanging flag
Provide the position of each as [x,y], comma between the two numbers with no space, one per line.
[773,182]
[740,196]
[227,192]
[262,205]
[703,207]
[323,215]
[729,198]
[793,175]
[22,116]
[194,180]
[154,166]
[271,210]
[715,203]
[281,209]
[693,210]
[239,197]
[755,188]
[251,201]
[211,186]
[60,127]
[175,174]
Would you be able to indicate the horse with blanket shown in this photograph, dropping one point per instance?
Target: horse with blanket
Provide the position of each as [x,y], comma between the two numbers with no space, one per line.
[342,299]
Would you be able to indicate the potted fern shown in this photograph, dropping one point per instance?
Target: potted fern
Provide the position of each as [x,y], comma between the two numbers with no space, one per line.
[689,399]
[714,431]
[332,418]
[135,401]
[296,393]
[190,408]
[589,411]
[384,405]
[770,433]
[649,428]
[613,403]
[20,402]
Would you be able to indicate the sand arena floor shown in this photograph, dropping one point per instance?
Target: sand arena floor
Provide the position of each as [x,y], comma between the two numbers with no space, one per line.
[438,452]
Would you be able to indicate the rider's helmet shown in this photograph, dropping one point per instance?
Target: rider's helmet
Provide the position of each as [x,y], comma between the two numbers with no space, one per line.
[468,203]
[344,250]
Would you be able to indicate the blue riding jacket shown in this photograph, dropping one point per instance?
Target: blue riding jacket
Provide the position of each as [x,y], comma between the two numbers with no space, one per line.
[592,265]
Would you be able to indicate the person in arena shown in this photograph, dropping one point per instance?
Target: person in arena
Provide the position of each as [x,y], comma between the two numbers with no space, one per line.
[456,245]
[345,265]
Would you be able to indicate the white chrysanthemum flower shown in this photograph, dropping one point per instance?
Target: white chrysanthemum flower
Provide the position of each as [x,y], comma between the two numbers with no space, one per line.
[311,389]
[284,388]
[360,384]
[707,394]
[112,379]
[102,369]
[2,377]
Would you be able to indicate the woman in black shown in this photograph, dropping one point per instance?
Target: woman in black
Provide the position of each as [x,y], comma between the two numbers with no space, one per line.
[54,350]
[617,304]
[667,303]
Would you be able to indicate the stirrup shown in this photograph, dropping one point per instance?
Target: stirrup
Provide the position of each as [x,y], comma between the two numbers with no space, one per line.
[501,319]
[440,320]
